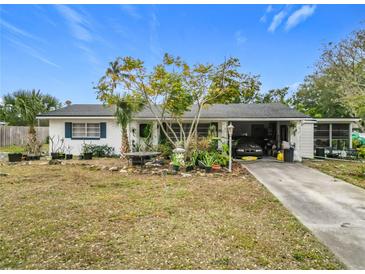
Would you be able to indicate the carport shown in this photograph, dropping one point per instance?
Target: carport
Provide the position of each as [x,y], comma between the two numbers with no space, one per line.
[262,131]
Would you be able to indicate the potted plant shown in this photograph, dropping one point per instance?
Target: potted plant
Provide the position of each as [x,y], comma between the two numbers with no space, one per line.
[61,155]
[61,150]
[87,153]
[193,160]
[216,167]
[68,154]
[189,166]
[32,148]
[54,142]
[207,162]
[15,157]
[177,161]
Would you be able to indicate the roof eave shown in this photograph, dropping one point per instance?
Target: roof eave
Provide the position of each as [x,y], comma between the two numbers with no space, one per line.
[45,117]
[338,119]
[234,118]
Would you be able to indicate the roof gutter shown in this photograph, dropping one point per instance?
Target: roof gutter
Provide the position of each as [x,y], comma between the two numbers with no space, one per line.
[231,119]
[338,120]
[168,119]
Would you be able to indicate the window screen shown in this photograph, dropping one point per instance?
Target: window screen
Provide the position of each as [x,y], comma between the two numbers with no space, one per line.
[85,130]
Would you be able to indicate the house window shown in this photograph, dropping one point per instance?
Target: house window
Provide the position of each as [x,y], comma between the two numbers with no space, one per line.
[322,135]
[85,130]
[145,130]
[340,136]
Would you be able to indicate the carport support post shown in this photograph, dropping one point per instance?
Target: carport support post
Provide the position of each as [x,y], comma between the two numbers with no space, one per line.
[230,132]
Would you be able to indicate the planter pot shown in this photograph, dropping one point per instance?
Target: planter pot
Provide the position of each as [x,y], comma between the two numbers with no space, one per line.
[15,157]
[176,168]
[54,155]
[208,169]
[201,165]
[88,156]
[189,168]
[216,167]
[69,156]
[32,157]
[61,156]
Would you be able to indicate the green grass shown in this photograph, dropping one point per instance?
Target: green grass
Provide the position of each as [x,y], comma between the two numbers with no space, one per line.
[69,217]
[351,172]
[12,149]
[20,149]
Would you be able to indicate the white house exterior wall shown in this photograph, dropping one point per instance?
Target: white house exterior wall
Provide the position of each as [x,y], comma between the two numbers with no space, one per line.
[306,137]
[113,134]
[303,136]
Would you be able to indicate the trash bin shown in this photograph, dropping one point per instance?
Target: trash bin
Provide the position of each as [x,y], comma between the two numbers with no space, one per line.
[289,155]
[320,152]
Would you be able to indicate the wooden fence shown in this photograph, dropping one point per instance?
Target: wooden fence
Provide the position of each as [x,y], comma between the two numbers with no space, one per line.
[14,135]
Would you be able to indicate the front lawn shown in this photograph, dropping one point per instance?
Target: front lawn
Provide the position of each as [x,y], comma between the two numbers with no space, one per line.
[348,171]
[71,217]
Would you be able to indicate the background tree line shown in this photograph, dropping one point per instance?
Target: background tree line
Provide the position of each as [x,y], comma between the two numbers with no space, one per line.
[336,88]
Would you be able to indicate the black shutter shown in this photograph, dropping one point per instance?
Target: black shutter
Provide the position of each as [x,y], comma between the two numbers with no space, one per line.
[103,130]
[68,130]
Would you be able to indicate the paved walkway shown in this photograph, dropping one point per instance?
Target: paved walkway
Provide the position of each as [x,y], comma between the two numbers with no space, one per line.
[332,209]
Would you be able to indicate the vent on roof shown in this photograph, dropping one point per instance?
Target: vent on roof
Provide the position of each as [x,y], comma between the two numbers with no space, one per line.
[68,103]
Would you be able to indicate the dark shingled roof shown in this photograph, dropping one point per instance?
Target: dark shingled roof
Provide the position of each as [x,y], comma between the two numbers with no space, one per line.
[273,110]
[81,110]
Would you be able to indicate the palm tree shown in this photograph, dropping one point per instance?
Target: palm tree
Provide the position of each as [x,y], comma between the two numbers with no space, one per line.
[12,105]
[125,107]
[125,104]
[22,107]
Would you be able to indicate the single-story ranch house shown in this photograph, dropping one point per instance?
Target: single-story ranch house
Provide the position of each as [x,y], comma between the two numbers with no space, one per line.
[93,123]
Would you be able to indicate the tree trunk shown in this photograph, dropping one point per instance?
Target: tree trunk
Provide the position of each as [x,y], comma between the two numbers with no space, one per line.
[33,146]
[125,143]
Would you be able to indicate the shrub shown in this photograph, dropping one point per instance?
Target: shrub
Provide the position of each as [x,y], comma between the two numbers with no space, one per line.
[203,144]
[165,149]
[98,150]
[361,152]
[208,160]
[178,159]
[221,159]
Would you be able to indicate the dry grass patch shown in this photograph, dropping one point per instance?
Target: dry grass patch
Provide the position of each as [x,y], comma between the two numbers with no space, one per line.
[68,217]
[350,172]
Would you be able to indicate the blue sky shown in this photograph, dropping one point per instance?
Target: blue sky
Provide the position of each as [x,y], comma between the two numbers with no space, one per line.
[63,50]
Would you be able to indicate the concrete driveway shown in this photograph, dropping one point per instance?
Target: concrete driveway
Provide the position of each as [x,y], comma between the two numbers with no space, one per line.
[332,209]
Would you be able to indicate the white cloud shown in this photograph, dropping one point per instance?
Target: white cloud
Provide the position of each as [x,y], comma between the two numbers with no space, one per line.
[79,25]
[240,38]
[277,20]
[263,18]
[155,46]
[83,29]
[299,16]
[90,54]
[268,10]
[19,32]
[33,52]
[131,11]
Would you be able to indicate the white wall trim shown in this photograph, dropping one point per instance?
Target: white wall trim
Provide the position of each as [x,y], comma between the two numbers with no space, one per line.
[337,120]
